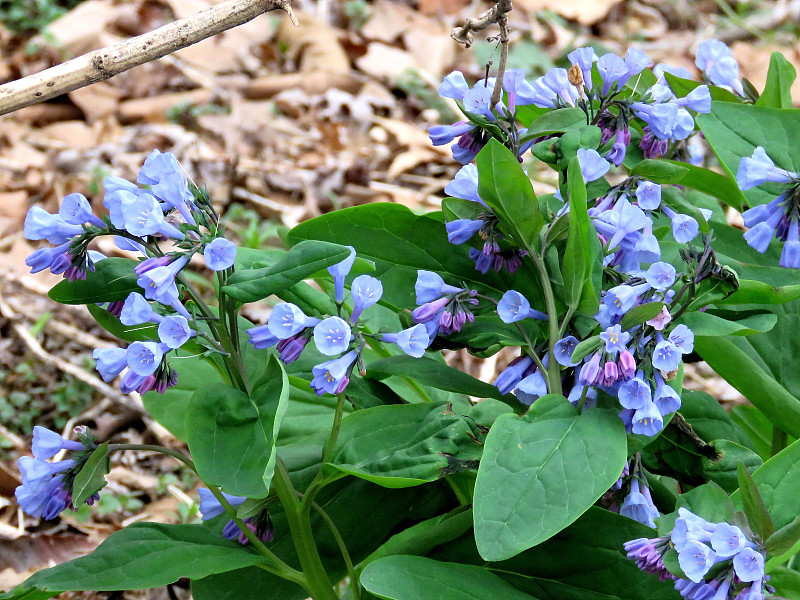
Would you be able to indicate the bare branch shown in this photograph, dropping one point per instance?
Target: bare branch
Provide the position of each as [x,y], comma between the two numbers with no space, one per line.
[107,62]
[497,14]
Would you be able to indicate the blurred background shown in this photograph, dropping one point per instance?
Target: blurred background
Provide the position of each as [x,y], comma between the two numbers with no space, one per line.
[280,124]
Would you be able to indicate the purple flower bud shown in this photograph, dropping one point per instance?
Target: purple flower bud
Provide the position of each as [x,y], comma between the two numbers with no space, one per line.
[617,153]
[591,370]
[219,254]
[626,364]
[652,146]
[429,310]
[261,337]
[151,263]
[332,336]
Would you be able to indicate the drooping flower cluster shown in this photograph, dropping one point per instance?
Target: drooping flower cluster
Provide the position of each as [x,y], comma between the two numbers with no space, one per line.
[779,218]
[260,523]
[737,563]
[139,218]
[46,489]
[290,330]
[636,503]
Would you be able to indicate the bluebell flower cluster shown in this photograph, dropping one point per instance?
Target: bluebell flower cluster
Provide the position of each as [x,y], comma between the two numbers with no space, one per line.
[779,218]
[140,219]
[260,523]
[718,560]
[46,489]
[630,495]
[340,336]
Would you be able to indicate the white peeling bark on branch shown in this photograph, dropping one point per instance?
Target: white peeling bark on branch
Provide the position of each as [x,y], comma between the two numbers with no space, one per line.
[107,62]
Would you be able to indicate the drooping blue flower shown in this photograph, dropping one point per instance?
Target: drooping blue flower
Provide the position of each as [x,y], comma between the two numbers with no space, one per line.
[554,89]
[647,420]
[413,341]
[563,349]
[519,91]
[143,216]
[46,444]
[41,225]
[716,60]
[465,185]
[666,356]
[331,376]
[790,256]
[454,86]
[696,559]
[110,362]
[162,172]
[366,291]
[339,271]
[261,337]
[638,506]
[210,506]
[727,540]
[660,276]
[637,61]
[513,374]
[622,298]
[513,307]
[133,381]
[699,100]
[444,134]
[759,168]
[76,210]
[46,258]
[137,310]
[590,372]
[593,166]
[684,227]
[332,336]
[47,501]
[531,388]
[287,320]
[174,331]
[748,564]
[635,393]
[478,100]
[689,527]
[612,69]
[622,223]
[462,230]
[682,338]
[584,58]
[219,254]
[666,399]
[144,357]
[648,195]
[615,340]
[430,286]
[158,282]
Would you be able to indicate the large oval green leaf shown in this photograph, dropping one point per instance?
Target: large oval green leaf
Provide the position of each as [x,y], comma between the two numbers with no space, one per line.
[538,476]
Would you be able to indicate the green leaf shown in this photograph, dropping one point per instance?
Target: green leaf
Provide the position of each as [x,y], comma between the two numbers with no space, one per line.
[557,121]
[112,280]
[784,538]
[778,89]
[537,477]
[22,592]
[723,471]
[711,183]
[758,292]
[170,408]
[639,314]
[734,131]
[660,171]
[505,188]
[786,583]
[754,507]
[435,374]
[710,420]
[405,445]
[682,87]
[576,255]
[128,333]
[232,436]
[757,427]
[146,555]
[585,348]
[92,477]
[400,242]
[713,323]
[300,262]
[708,501]
[420,578]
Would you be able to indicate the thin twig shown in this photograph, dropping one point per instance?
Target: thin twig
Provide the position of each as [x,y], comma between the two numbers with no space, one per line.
[105,63]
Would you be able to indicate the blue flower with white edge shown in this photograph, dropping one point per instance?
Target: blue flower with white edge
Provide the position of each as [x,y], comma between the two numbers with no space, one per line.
[331,376]
[210,507]
[647,420]
[615,339]
[339,271]
[144,357]
[137,310]
[563,350]
[636,393]
[174,331]
[696,559]
[287,319]
[332,336]
[366,291]
[660,276]
[110,362]
[46,444]
[219,254]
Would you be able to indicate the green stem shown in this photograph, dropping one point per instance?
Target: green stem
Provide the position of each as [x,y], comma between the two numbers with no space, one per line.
[275,565]
[351,571]
[330,446]
[778,440]
[319,586]
[583,399]
[553,369]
